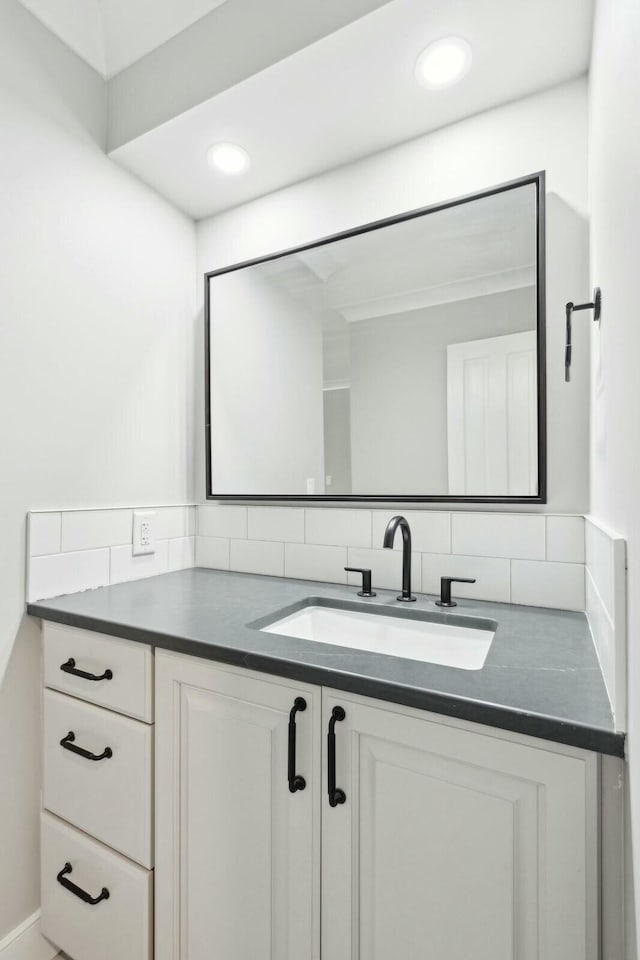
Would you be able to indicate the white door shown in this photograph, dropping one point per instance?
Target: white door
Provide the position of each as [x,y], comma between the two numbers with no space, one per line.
[237,853]
[492,416]
[453,844]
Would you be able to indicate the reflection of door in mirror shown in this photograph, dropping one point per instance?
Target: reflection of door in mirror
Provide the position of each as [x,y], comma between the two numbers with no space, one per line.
[491,415]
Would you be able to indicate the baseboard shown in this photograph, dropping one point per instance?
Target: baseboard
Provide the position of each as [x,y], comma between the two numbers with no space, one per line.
[27,943]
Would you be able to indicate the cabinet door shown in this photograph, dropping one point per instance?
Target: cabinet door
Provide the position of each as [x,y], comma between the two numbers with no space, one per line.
[238,854]
[454,844]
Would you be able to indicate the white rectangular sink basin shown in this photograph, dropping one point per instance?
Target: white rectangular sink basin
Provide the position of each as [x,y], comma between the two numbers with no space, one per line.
[449,644]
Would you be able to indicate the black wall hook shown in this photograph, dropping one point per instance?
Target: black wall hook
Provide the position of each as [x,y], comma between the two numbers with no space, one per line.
[571,308]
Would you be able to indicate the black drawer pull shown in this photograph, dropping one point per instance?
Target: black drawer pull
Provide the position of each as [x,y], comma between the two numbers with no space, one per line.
[78,891]
[295,782]
[336,795]
[70,667]
[68,744]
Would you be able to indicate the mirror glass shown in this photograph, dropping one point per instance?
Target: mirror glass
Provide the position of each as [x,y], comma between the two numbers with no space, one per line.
[398,361]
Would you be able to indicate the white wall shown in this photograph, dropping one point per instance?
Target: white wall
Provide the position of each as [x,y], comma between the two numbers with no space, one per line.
[614,158]
[545,131]
[337,440]
[97,306]
[265,349]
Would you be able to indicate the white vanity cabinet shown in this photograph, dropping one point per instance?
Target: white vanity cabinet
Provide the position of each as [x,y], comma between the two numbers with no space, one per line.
[454,842]
[446,840]
[97,821]
[237,852]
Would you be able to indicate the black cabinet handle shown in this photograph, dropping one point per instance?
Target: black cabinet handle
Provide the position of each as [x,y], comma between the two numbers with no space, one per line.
[295,782]
[68,744]
[70,667]
[78,891]
[336,795]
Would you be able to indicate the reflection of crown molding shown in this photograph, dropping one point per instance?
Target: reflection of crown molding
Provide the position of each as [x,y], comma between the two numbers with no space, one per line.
[467,289]
[336,385]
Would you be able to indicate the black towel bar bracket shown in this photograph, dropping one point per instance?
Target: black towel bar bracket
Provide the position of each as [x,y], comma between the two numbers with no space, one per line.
[571,308]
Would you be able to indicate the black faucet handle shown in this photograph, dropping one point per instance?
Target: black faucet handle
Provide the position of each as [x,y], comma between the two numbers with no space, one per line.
[366,580]
[445,590]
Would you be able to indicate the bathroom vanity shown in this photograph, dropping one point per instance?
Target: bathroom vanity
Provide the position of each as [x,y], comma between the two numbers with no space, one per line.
[314,800]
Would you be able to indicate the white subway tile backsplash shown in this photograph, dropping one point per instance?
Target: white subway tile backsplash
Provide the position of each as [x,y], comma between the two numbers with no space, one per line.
[181,553]
[603,633]
[487,546]
[492,575]
[219,520]
[519,536]
[599,558]
[257,556]
[276,523]
[306,561]
[606,603]
[385,566]
[92,548]
[60,573]
[89,529]
[212,552]
[173,522]
[342,528]
[430,530]
[547,584]
[124,566]
[565,539]
[44,534]
[522,558]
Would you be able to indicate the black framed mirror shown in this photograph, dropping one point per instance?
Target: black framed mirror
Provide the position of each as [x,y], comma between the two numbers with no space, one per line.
[403,360]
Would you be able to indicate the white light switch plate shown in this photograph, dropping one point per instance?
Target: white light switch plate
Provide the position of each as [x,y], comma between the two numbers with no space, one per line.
[143,532]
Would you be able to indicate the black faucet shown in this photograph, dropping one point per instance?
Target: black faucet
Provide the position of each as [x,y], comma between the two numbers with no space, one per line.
[445,590]
[387,542]
[366,581]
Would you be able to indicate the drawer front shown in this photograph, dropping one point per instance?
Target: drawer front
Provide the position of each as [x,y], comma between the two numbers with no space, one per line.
[116,928]
[110,797]
[128,688]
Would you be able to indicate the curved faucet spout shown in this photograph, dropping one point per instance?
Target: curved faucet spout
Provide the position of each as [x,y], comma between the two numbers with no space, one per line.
[387,542]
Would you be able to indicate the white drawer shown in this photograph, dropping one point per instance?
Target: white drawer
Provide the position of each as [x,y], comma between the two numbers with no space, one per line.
[128,690]
[109,798]
[116,928]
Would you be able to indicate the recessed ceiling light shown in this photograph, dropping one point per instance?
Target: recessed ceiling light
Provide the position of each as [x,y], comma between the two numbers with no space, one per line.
[228,158]
[443,63]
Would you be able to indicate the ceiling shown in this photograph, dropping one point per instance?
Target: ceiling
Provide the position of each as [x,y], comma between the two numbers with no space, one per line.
[338,99]
[112,34]
[353,93]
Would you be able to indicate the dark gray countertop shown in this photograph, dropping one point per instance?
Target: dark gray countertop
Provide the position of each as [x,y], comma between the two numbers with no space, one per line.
[541,676]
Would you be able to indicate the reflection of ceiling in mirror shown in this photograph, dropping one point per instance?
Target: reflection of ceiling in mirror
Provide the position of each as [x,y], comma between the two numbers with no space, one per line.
[473,249]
